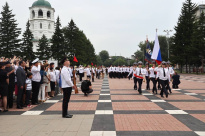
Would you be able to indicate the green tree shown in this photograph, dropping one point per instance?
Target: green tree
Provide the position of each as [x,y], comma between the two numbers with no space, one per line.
[108,62]
[43,51]
[119,62]
[27,45]
[198,42]
[76,43]
[9,33]
[99,61]
[180,48]
[58,46]
[104,55]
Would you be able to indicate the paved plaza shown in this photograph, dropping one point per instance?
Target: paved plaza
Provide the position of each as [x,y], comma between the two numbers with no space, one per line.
[115,109]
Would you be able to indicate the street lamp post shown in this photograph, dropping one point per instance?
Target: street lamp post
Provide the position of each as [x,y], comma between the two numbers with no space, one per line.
[167,36]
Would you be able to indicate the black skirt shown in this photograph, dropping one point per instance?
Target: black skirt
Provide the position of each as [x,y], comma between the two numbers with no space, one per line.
[4,90]
[52,86]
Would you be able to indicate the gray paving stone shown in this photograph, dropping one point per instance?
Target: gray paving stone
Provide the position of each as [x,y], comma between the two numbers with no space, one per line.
[191,122]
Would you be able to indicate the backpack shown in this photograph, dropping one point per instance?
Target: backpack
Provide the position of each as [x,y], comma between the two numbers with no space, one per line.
[84,85]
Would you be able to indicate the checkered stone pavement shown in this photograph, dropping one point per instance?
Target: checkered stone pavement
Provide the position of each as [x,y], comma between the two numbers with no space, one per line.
[115,109]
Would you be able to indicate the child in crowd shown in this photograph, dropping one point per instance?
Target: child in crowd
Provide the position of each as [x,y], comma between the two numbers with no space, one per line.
[28,89]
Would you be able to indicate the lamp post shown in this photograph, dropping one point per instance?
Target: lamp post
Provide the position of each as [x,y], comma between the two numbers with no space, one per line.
[167,36]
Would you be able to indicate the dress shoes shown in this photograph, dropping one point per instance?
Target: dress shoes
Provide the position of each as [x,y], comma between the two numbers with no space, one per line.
[68,116]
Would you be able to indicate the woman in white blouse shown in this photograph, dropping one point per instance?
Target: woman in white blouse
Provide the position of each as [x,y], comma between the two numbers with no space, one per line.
[52,81]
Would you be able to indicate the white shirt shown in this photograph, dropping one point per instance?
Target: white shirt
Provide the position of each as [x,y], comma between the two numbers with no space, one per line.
[16,67]
[111,69]
[147,73]
[28,84]
[87,70]
[140,72]
[36,73]
[131,71]
[52,76]
[128,69]
[171,71]
[124,69]
[93,70]
[103,69]
[66,77]
[57,74]
[81,70]
[152,72]
[160,74]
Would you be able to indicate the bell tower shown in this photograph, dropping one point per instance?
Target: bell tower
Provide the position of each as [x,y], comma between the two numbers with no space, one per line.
[42,21]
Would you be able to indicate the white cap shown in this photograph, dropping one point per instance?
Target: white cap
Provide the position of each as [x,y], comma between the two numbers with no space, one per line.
[36,60]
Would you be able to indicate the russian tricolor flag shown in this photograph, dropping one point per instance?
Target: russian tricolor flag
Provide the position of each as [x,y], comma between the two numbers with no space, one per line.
[156,55]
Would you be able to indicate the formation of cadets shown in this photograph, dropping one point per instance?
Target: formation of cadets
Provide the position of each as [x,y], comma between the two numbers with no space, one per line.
[160,76]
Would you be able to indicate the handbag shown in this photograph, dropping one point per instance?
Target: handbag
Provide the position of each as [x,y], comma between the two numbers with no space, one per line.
[45,79]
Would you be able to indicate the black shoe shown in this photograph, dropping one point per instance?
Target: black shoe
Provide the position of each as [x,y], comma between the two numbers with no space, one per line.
[162,96]
[167,96]
[19,107]
[170,92]
[85,94]
[68,116]
[5,110]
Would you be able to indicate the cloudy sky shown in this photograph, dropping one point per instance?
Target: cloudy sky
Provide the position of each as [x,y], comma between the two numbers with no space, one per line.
[113,25]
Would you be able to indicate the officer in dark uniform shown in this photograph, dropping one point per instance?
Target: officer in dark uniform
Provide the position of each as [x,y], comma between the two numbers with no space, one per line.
[10,72]
[4,81]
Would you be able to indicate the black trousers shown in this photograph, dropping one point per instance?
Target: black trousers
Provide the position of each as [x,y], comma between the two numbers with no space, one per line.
[175,86]
[88,77]
[147,82]
[159,87]
[163,83]
[93,77]
[11,87]
[28,96]
[154,81]
[35,89]
[20,97]
[140,85]
[135,83]
[66,98]
[168,86]
[81,76]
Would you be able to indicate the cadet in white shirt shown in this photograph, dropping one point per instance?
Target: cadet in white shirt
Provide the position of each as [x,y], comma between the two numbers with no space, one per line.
[67,86]
[93,73]
[139,73]
[81,72]
[87,70]
[111,71]
[147,76]
[171,71]
[153,76]
[35,70]
[164,78]
[132,72]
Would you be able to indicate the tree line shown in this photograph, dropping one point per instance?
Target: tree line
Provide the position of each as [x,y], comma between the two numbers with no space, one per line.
[66,41]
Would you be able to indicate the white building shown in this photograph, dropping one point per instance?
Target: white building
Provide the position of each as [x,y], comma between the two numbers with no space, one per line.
[200,9]
[42,21]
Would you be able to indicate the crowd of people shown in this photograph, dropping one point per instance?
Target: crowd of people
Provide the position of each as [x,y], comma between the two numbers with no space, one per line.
[34,82]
